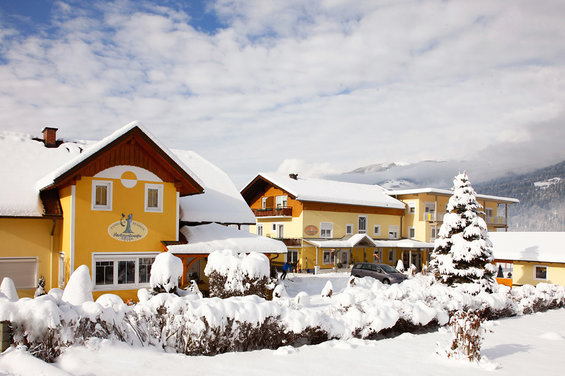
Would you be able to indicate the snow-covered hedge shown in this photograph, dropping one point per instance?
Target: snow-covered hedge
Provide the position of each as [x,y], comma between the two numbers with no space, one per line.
[192,325]
[233,274]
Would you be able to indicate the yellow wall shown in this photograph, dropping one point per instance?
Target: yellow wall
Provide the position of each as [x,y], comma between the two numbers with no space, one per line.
[424,228]
[31,237]
[341,219]
[523,273]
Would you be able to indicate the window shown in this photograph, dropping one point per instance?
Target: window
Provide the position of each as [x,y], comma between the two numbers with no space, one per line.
[434,233]
[377,230]
[122,271]
[540,272]
[326,229]
[390,256]
[411,232]
[274,227]
[393,232]
[430,211]
[260,230]
[61,270]
[280,231]
[154,198]
[411,208]
[292,256]
[348,229]
[101,195]
[362,228]
[22,270]
[264,203]
[378,255]
[489,212]
[328,257]
[281,202]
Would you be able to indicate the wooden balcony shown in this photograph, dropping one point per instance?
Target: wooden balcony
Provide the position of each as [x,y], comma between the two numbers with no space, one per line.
[273,212]
[291,242]
[496,221]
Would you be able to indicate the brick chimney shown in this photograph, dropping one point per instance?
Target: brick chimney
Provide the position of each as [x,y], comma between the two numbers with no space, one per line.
[293,176]
[50,137]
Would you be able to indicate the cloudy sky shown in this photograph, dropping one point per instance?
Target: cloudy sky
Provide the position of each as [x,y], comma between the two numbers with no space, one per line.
[317,86]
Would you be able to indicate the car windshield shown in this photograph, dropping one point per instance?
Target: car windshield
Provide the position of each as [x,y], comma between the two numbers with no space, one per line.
[389,269]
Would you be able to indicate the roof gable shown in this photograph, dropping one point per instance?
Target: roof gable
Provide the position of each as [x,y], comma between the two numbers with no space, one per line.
[130,145]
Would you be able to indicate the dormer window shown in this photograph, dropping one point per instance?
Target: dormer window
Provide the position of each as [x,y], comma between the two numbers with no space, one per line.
[154,198]
[101,195]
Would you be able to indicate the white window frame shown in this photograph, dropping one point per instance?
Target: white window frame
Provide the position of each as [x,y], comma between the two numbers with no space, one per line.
[328,251]
[393,229]
[434,233]
[260,229]
[61,270]
[294,258]
[326,227]
[280,231]
[412,232]
[30,280]
[115,258]
[359,230]
[109,191]
[349,229]
[411,208]
[546,273]
[159,188]
[281,202]
[377,230]
[263,202]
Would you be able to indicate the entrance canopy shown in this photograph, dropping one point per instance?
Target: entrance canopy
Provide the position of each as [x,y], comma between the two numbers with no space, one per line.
[403,243]
[357,240]
[205,239]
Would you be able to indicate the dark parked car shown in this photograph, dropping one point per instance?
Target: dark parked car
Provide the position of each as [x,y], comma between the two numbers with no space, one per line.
[383,272]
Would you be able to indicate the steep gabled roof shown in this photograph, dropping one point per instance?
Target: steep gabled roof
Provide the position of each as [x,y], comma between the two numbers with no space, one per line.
[134,133]
[319,190]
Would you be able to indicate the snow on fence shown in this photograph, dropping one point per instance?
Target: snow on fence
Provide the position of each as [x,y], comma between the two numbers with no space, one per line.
[193,325]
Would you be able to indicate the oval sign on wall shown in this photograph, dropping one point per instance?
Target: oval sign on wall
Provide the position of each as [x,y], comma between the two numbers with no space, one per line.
[310,230]
[127,230]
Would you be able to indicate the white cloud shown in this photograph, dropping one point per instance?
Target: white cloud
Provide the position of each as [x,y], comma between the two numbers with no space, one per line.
[334,83]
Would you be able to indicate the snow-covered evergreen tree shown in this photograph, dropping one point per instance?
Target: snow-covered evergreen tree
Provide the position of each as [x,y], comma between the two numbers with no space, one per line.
[463,252]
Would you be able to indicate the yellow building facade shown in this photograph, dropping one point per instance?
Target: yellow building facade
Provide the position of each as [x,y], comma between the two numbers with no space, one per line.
[321,231]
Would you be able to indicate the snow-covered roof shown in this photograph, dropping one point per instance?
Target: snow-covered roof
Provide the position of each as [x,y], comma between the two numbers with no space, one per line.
[29,166]
[447,192]
[23,161]
[365,240]
[214,237]
[221,201]
[403,243]
[49,178]
[529,246]
[337,192]
[353,241]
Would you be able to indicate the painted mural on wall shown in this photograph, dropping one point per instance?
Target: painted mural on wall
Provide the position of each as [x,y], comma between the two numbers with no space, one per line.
[127,230]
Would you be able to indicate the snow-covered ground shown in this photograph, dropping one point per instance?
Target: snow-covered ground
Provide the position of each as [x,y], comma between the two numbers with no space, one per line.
[520,345]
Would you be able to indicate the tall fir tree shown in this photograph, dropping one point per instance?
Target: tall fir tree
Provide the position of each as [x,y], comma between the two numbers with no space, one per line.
[463,252]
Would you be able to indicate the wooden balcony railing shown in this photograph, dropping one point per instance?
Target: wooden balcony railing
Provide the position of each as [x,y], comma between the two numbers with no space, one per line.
[496,221]
[273,212]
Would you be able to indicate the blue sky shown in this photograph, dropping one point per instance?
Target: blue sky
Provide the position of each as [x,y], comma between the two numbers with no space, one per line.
[320,86]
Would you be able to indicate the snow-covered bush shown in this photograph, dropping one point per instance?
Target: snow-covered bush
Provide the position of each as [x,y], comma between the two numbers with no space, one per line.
[79,287]
[463,252]
[328,290]
[233,274]
[166,272]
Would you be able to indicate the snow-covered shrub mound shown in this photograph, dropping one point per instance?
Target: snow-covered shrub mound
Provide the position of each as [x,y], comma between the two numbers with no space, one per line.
[166,272]
[8,289]
[233,274]
[79,288]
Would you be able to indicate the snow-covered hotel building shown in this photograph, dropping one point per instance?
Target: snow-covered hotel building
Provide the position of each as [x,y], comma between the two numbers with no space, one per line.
[325,223]
[113,205]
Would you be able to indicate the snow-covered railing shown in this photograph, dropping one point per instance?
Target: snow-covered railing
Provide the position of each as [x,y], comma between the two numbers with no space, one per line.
[273,212]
